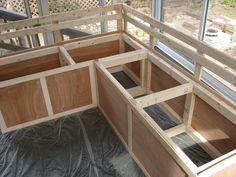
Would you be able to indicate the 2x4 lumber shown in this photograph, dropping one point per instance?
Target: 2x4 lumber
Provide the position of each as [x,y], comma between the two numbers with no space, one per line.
[216,103]
[218,160]
[27,55]
[2,122]
[131,42]
[215,67]
[123,141]
[164,95]
[136,91]
[122,92]
[119,23]
[93,84]
[200,46]
[50,50]
[46,96]
[133,76]
[164,61]
[115,69]
[171,113]
[143,73]
[173,149]
[124,58]
[62,25]
[188,109]
[64,56]
[175,130]
[130,137]
[169,145]
[198,138]
[44,119]
[92,41]
[55,17]
[224,168]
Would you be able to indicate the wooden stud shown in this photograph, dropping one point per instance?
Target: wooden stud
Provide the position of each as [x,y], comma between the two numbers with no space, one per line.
[200,46]
[55,17]
[62,25]
[136,91]
[216,67]
[93,84]
[164,95]
[175,130]
[188,109]
[124,58]
[65,58]
[46,96]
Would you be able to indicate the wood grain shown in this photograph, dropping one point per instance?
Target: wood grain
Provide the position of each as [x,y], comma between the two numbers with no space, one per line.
[153,156]
[113,105]
[134,66]
[213,126]
[161,81]
[69,90]
[27,67]
[94,51]
[22,103]
[229,171]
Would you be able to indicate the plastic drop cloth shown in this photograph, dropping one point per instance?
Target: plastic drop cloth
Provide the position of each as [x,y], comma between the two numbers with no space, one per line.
[79,145]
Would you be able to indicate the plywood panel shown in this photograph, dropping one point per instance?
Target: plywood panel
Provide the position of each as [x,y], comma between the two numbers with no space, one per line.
[22,103]
[218,130]
[70,90]
[95,51]
[161,81]
[113,105]
[153,156]
[134,66]
[27,67]
[229,171]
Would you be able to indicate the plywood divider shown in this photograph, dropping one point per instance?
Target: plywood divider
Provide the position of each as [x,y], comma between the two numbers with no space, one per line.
[212,125]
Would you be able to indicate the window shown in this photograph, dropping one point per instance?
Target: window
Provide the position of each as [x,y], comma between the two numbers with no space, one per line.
[221,26]
[186,17]
[183,15]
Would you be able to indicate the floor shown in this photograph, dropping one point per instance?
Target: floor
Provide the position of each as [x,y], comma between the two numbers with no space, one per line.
[79,145]
[193,150]
[124,79]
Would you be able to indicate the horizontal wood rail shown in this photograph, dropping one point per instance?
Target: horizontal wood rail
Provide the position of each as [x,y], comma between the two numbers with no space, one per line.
[165,95]
[48,19]
[62,25]
[123,58]
[200,46]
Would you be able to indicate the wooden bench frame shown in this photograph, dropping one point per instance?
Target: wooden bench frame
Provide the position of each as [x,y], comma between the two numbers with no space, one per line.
[204,56]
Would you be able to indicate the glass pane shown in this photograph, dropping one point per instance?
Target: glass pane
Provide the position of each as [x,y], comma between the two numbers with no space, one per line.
[221,26]
[183,15]
[141,5]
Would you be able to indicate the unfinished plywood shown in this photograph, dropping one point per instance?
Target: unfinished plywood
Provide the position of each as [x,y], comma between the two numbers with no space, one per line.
[134,66]
[229,171]
[69,90]
[161,81]
[113,105]
[22,103]
[27,67]
[95,51]
[153,156]
[213,126]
